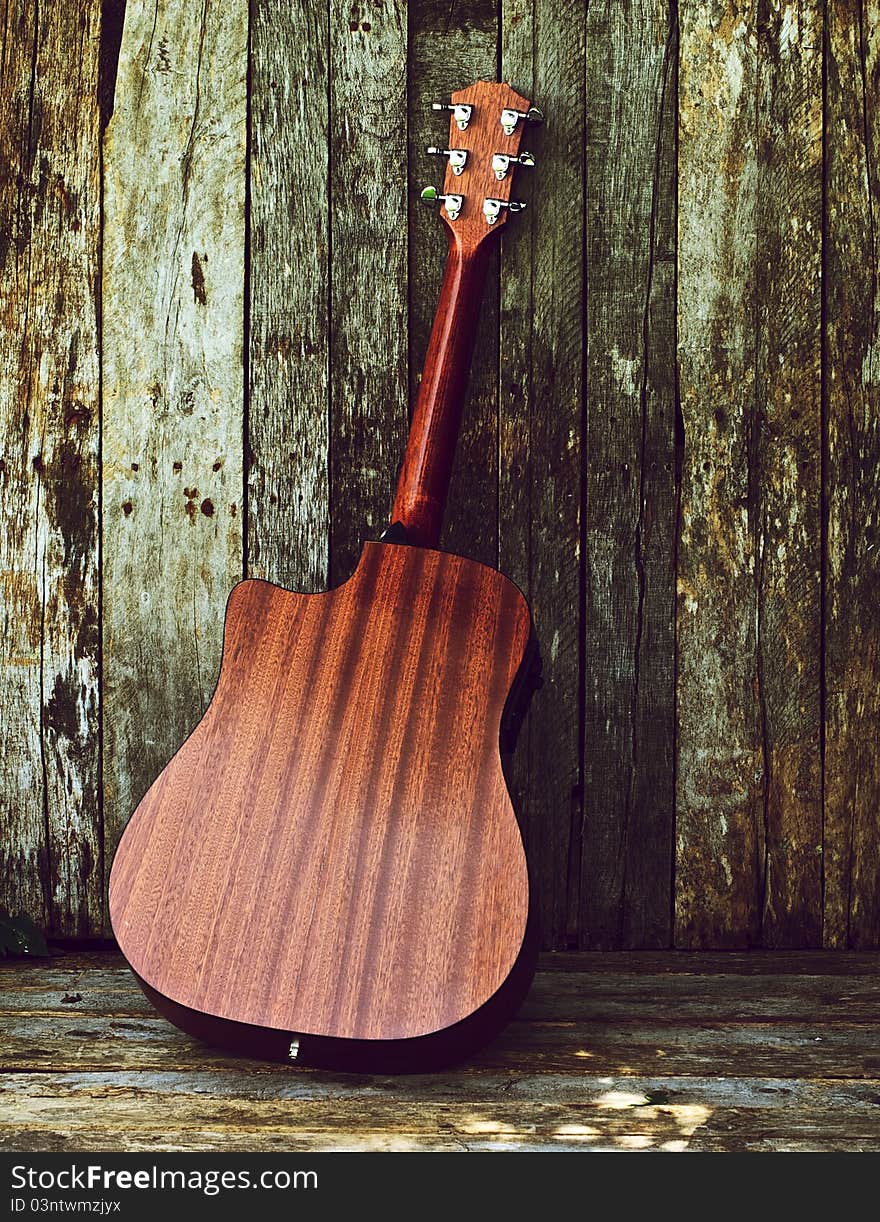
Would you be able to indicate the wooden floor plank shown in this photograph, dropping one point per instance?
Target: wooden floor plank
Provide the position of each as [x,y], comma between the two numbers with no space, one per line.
[173,1112]
[286,1087]
[817,1050]
[715,963]
[725,962]
[677,998]
[645,1051]
[569,1138]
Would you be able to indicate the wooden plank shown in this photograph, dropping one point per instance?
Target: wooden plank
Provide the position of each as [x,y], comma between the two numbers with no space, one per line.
[719,794]
[684,1000]
[734,1135]
[852,483]
[672,999]
[447,54]
[175,1112]
[793,1050]
[173,385]
[368,269]
[691,1019]
[748,809]
[541,374]
[63,970]
[632,1051]
[288,368]
[630,471]
[237,1085]
[788,467]
[51,861]
[733,963]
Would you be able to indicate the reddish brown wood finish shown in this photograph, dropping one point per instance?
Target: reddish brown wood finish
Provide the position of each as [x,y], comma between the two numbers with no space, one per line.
[427,464]
[333,851]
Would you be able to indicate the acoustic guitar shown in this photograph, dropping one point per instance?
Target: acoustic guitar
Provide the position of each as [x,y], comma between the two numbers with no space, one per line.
[330,870]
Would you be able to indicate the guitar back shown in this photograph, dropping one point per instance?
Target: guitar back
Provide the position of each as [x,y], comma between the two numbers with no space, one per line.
[330,867]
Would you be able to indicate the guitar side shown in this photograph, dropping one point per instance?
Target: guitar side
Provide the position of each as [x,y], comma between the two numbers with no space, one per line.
[300,882]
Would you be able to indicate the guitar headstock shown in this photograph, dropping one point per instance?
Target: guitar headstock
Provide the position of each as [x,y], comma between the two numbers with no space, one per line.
[483,154]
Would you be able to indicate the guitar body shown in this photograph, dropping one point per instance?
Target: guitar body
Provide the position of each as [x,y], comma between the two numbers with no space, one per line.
[330,869]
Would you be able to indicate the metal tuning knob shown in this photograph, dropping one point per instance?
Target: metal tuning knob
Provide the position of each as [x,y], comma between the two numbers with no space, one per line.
[457,157]
[510,118]
[492,208]
[501,163]
[452,203]
[461,112]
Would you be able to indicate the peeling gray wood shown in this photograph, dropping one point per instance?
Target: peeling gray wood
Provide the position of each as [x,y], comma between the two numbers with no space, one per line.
[748,816]
[630,472]
[541,380]
[51,862]
[173,379]
[288,422]
[368,269]
[450,49]
[852,490]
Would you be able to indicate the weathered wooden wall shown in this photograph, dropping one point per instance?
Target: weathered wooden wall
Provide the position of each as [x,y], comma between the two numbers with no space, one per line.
[215,302]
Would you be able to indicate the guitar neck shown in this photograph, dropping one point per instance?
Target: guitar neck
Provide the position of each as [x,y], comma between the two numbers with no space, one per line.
[485,132]
[427,464]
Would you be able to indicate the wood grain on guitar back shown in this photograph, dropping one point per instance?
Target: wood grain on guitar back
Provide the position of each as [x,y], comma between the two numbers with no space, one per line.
[333,850]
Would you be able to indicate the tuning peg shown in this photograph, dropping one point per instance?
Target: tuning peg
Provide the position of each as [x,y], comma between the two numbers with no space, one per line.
[492,208]
[461,112]
[452,203]
[510,118]
[501,162]
[457,157]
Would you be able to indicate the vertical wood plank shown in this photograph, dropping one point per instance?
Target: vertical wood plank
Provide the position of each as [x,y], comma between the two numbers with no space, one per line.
[173,288]
[629,694]
[852,381]
[50,852]
[719,798]
[448,50]
[287,477]
[788,427]
[748,796]
[541,379]
[368,269]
